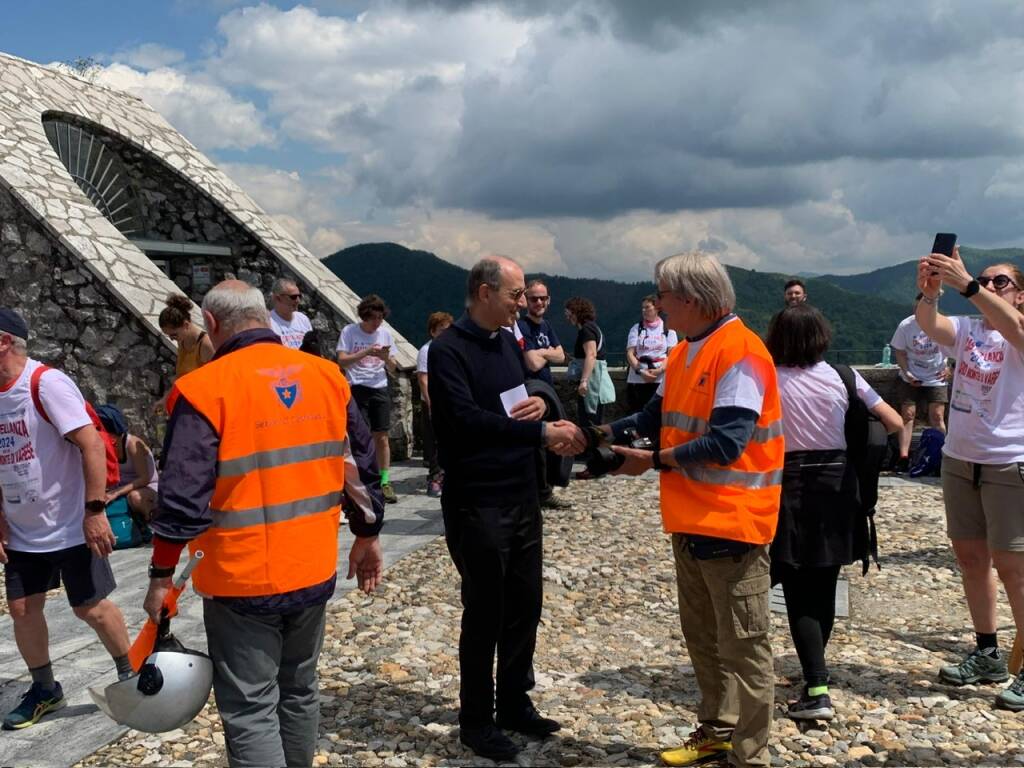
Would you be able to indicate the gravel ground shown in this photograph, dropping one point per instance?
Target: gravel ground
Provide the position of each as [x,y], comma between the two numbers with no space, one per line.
[611,665]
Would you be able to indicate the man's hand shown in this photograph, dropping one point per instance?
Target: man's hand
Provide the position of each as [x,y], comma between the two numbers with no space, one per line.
[5,533]
[637,461]
[98,536]
[154,602]
[366,563]
[530,409]
[565,438]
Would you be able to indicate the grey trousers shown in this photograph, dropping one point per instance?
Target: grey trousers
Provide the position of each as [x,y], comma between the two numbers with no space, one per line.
[265,683]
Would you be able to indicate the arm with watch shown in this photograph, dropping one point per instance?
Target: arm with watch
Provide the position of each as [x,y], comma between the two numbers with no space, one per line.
[937,269]
[95,526]
[729,430]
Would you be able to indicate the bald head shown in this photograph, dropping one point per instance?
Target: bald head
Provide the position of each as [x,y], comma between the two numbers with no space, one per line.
[233,306]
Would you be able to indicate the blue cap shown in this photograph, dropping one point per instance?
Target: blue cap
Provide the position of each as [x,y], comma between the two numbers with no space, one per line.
[13,323]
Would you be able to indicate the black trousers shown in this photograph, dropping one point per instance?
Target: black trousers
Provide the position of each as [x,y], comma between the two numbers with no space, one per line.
[637,395]
[498,551]
[811,609]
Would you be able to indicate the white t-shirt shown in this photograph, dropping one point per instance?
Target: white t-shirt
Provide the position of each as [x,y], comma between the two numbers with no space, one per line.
[814,403]
[651,342]
[421,358]
[41,473]
[925,359]
[369,371]
[986,410]
[291,332]
[740,387]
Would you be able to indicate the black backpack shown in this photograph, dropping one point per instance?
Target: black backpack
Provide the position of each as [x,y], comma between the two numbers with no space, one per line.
[866,447]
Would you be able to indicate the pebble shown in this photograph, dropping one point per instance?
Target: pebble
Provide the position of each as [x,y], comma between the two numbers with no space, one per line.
[612,667]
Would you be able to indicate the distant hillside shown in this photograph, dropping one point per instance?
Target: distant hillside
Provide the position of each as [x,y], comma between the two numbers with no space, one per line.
[899,282]
[416,283]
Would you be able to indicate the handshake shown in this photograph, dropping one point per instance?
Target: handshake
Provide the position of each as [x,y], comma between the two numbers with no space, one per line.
[568,439]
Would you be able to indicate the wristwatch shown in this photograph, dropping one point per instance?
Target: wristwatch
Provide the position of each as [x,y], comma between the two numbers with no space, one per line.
[656,461]
[156,572]
[95,505]
[972,288]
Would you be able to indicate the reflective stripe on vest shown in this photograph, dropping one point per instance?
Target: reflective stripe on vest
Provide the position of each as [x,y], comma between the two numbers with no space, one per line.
[243,518]
[688,423]
[732,477]
[280,457]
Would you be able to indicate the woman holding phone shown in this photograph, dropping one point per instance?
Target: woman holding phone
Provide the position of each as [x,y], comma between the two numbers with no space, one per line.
[983,463]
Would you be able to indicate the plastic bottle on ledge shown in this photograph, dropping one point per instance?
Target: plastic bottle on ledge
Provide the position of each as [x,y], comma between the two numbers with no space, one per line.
[886,356]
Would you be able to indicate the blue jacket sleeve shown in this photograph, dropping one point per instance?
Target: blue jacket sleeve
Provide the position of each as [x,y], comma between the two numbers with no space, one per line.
[729,431]
[646,422]
[364,503]
[188,473]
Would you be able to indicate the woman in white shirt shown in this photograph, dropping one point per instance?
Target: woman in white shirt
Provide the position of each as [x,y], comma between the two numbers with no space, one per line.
[820,511]
[983,462]
[647,348]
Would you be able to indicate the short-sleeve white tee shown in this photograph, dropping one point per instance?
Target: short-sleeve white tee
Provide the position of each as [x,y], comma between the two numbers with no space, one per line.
[814,403]
[925,359]
[41,473]
[421,358]
[650,341]
[293,331]
[369,371]
[986,409]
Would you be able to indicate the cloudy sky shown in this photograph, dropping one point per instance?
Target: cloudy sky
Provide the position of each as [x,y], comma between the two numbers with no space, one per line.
[588,137]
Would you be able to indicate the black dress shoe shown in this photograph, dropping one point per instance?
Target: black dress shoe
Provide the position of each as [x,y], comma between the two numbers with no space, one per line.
[489,742]
[529,722]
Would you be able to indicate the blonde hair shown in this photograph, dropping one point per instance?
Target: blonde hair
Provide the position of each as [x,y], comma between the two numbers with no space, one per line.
[699,276]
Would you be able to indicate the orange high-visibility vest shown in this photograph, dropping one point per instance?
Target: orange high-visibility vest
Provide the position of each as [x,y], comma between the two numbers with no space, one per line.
[280,415]
[739,501]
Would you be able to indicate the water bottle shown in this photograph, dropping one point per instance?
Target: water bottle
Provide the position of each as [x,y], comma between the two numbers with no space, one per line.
[886,356]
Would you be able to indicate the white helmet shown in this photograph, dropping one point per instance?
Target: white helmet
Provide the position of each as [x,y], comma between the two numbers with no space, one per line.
[170,690]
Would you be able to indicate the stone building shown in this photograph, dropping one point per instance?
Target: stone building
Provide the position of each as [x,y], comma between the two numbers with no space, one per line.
[105,209]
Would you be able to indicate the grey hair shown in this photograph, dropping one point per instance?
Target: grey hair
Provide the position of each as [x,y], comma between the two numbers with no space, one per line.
[234,306]
[18,344]
[484,272]
[699,276]
[280,283]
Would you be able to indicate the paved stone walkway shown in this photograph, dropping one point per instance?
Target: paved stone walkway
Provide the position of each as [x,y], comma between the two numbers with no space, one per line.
[80,660]
[611,665]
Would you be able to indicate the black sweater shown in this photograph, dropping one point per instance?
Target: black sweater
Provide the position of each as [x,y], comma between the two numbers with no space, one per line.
[487,457]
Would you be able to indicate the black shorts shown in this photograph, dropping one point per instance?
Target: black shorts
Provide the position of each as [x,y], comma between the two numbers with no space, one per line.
[375,405]
[87,579]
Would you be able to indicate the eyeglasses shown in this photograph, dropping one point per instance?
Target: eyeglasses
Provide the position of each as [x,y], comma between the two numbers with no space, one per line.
[999,281]
[292,296]
[544,299]
[516,293]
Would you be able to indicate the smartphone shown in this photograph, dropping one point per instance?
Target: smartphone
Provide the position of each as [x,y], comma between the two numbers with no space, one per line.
[944,243]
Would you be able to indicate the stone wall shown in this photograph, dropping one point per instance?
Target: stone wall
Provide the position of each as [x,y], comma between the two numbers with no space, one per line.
[77,325]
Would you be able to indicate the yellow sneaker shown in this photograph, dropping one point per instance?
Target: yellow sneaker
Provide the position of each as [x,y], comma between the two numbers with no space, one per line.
[700,748]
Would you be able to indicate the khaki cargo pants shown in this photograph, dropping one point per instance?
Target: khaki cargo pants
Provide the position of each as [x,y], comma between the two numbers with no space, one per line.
[723,609]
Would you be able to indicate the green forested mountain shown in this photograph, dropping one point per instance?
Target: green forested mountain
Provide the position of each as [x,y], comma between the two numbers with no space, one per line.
[416,283]
[898,282]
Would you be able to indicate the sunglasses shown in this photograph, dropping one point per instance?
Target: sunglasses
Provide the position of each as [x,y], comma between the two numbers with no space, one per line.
[544,299]
[999,281]
[292,296]
[516,293]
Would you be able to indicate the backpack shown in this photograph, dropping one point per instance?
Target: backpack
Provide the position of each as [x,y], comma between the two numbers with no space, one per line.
[113,466]
[866,446]
[927,458]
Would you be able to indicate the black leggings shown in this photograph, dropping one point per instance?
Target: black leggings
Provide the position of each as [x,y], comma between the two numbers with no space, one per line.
[811,608]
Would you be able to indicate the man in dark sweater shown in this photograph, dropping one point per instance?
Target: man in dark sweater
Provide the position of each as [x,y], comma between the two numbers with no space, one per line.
[487,432]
